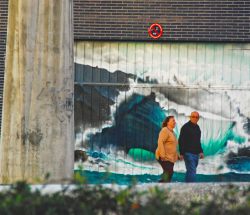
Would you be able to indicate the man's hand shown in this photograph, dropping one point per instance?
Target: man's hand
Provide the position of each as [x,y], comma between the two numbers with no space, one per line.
[201,155]
[180,157]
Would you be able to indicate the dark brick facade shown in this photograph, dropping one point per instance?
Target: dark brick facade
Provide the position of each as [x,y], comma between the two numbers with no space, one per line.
[3,32]
[182,20]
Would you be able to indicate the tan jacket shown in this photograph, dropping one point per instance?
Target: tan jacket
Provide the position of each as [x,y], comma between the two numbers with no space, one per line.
[167,146]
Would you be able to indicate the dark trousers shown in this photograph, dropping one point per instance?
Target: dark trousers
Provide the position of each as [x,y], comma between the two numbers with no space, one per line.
[168,170]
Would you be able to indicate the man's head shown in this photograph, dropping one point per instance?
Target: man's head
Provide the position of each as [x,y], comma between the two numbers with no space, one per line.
[194,117]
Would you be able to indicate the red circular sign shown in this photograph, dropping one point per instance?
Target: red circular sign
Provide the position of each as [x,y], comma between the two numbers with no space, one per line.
[155,31]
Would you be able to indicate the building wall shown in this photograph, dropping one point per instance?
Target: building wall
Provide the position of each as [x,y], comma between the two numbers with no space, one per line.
[182,20]
[3,32]
[124,90]
[201,59]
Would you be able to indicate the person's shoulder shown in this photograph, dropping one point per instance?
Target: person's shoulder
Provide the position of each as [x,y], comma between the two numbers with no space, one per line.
[165,129]
[186,125]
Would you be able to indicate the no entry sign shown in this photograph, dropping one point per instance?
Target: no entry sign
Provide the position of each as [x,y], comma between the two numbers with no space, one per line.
[155,31]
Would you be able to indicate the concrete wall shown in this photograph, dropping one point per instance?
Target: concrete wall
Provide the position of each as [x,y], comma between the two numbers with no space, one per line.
[38,119]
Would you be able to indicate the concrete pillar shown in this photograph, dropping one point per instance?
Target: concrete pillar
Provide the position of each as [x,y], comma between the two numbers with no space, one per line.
[37,135]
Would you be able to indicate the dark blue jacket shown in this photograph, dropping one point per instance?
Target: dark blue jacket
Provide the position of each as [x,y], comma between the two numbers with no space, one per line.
[190,139]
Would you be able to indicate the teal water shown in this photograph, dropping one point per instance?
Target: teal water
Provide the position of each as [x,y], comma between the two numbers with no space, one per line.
[94,177]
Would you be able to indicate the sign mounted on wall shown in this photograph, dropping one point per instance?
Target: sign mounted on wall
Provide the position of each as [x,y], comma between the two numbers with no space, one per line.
[155,31]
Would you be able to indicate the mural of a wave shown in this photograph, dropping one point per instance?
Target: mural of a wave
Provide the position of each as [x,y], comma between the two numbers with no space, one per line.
[118,113]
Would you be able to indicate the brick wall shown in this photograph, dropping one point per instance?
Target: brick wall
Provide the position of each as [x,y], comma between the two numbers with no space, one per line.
[182,20]
[3,29]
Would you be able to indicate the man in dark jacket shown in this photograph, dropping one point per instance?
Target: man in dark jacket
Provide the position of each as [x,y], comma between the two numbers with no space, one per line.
[190,146]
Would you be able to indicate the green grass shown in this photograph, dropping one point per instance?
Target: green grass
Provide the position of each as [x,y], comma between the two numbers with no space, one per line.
[89,199]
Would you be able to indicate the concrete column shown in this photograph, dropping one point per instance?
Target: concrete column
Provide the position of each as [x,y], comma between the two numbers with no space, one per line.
[38,124]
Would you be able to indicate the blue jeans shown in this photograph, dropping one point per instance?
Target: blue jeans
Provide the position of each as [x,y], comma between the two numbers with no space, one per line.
[191,163]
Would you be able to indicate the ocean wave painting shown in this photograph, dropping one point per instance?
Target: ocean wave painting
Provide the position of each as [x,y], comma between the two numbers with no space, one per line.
[124,90]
